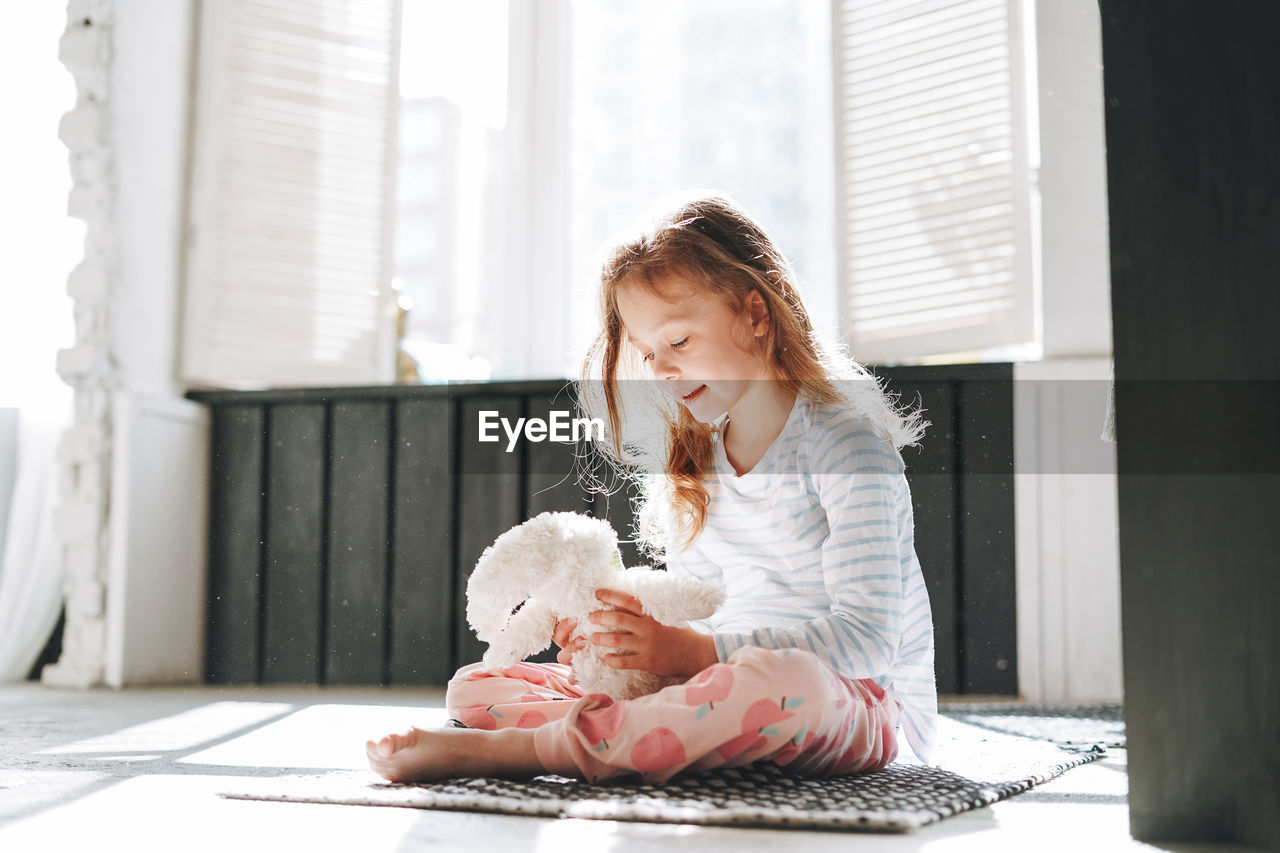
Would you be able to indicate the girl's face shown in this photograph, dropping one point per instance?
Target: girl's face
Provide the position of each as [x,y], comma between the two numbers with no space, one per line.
[707,351]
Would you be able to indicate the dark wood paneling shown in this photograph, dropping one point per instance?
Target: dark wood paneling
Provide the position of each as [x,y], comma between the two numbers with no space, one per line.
[235,533]
[422,582]
[553,481]
[988,612]
[404,538]
[617,509]
[293,584]
[962,494]
[1193,167]
[490,501]
[931,475]
[359,504]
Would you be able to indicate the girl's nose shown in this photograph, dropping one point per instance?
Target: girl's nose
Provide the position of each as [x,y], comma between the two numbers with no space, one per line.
[664,367]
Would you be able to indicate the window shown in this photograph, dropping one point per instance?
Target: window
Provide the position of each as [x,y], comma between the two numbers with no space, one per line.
[288,275]
[578,116]
[936,207]
[453,124]
[733,95]
[887,146]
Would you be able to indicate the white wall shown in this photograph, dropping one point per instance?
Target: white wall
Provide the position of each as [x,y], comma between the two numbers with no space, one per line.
[1067,530]
[151,75]
[132,523]
[1076,277]
[156,590]
[156,582]
[1068,549]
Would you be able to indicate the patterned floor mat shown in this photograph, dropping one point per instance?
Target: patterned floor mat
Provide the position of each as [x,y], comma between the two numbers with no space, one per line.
[986,753]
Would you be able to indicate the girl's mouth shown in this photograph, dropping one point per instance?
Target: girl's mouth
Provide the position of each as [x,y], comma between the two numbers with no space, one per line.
[693,395]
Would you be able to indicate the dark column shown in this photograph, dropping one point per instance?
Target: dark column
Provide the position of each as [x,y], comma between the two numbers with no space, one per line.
[1193,161]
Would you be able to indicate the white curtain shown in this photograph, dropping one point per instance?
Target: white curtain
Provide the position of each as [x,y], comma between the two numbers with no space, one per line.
[41,245]
[31,571]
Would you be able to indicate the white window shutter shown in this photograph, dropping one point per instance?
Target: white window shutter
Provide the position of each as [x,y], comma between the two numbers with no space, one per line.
[289,255]
[934,177]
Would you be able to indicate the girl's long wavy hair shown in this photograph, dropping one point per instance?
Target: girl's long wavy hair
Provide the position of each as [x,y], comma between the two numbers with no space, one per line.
[711,243]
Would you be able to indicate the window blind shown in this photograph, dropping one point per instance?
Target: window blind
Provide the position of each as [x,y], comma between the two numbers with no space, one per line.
[933,189]
[288,279]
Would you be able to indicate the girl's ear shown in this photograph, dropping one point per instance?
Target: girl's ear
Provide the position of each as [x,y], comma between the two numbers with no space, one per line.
[758,312]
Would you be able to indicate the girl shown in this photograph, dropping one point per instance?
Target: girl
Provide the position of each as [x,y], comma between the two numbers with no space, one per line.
[776,475]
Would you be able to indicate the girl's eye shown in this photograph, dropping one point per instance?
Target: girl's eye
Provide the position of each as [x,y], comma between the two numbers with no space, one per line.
[679,344]
[648,356]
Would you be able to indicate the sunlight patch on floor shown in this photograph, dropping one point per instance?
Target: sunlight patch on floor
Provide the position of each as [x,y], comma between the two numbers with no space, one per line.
[330,737]
[25,789]
[185,813]
[1035,826]
[186,730]
[606,836]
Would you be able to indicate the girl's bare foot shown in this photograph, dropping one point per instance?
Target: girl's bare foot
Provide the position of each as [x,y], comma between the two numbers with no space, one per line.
[422,755]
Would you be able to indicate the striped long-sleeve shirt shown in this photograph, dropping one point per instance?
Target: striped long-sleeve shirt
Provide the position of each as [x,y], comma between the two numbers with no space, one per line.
[814,549]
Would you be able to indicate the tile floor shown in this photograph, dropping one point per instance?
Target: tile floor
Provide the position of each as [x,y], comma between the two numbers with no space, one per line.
[141,770]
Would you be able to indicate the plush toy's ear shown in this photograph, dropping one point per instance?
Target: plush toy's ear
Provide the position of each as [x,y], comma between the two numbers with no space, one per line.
[527,632]
[498,586]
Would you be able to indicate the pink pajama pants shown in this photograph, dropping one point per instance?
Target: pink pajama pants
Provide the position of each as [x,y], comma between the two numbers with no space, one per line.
[782,705]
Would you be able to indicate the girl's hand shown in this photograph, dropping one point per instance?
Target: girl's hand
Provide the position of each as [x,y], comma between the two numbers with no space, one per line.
[563,636]
[646,643]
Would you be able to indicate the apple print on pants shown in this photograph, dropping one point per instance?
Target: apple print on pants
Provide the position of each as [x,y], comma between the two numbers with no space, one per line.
[755,725]
[708,687]
[531,720]
[658,750]
[601,720]
[804,741]
[479,717]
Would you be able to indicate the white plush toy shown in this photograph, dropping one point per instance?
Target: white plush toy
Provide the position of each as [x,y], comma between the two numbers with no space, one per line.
[548,569]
